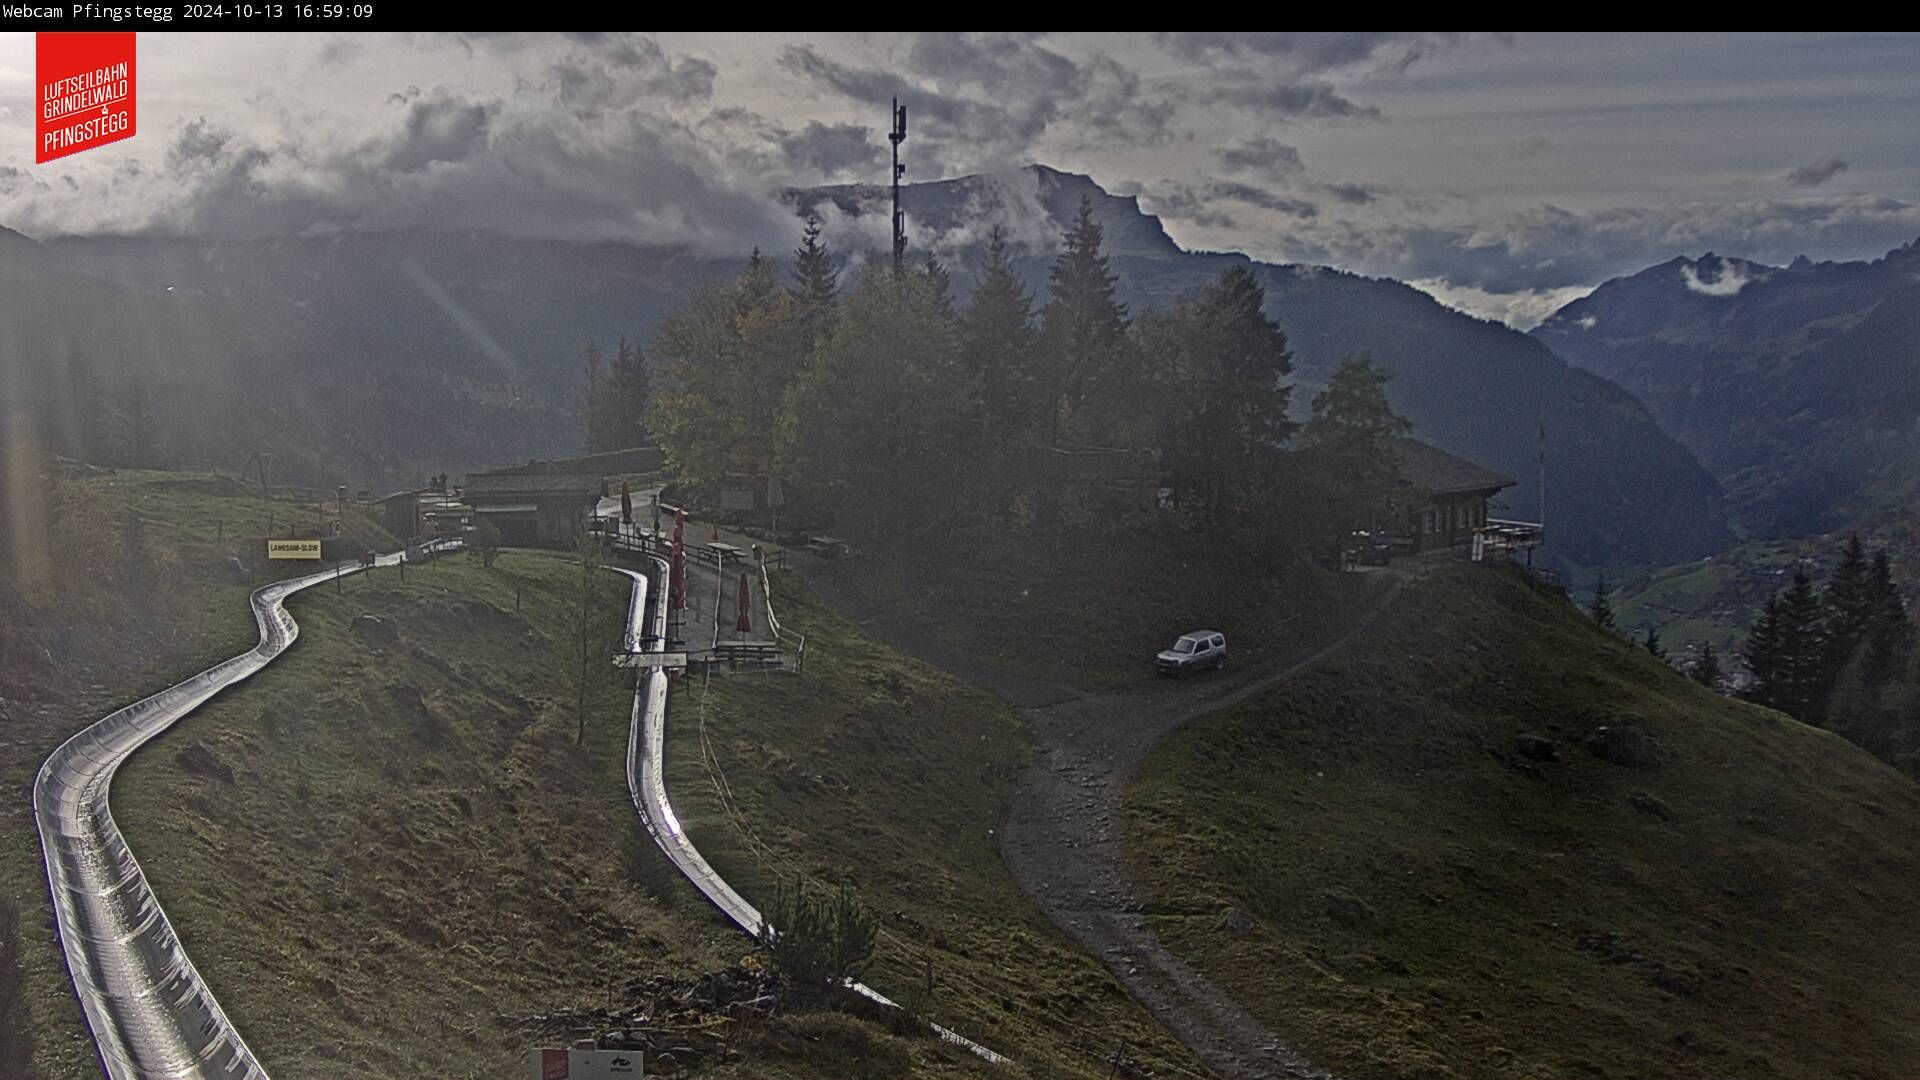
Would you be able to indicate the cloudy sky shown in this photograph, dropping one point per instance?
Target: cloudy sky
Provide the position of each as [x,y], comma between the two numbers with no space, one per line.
[1504,173]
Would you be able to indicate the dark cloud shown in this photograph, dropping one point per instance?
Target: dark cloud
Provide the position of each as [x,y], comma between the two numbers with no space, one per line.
[1262,198]
[1815,173]
[1351,194]
[832,150]
[613,71]
[1261,154]
[987,100]
[340,50]
[439,127]
[1291,100]
[544,161]
[1175,201]
[198,141]
[1311,52]
[1203,205]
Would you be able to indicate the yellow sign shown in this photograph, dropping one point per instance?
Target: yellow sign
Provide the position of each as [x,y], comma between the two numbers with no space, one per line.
[293,549]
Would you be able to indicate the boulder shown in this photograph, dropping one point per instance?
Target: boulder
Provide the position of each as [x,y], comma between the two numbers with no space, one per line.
[1535,748]
[200,761]
[1348,911]
[1647,804]
[1236,922]
[377,629]
[1624,745]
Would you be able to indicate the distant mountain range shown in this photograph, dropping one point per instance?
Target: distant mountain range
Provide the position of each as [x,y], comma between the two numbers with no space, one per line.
[1798,386]
[378,359]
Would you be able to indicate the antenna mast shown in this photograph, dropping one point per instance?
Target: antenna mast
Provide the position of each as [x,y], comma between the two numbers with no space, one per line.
[897,136]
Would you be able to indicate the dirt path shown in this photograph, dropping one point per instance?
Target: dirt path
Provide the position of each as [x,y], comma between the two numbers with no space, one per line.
[1063,834]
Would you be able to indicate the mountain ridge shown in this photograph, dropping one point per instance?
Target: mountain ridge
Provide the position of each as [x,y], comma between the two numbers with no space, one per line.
[1795,385]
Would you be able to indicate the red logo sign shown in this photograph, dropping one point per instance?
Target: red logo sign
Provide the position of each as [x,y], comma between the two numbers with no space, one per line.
[85,92]
[553,1065]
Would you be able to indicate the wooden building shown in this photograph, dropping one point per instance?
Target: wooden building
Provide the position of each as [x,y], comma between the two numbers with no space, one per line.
[400,513]
[548,503]
[534,508]
[1451,496]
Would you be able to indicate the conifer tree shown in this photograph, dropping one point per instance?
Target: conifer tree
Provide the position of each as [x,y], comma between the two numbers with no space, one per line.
[1761,652]
[1705,668]
[816,283]
[941,283]
[1083,323]
[1653,645]
[1889,629]
[1601,609]
[1218,367]
[1846,610]
[998,342]
[629,387]
[1784,651]
[593,400]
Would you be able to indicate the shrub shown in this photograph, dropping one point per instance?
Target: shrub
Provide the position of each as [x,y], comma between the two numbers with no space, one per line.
[818,939]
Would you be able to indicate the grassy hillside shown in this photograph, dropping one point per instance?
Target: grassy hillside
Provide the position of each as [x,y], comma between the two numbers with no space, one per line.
[874,769]
[380,853]
[91,620]
[1425,890]
[375,850]
[1091,614]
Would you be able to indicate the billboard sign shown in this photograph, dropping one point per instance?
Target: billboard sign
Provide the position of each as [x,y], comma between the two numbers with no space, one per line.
[293,549]
[548,1064]
[85,83]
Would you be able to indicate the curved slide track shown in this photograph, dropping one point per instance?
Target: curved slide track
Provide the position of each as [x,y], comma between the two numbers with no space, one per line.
[152,1015]
[646,781]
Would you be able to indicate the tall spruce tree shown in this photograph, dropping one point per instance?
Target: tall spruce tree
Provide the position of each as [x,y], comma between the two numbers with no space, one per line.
[1219,366]
[875,425]
[816,283]
[998,342]
[1347,470]
[1784,651]
[1705,668]
[725,362]
[942,284]
[1889,629]
[1653,645]
[1601,608]
[593,396]
[1083,327]
[628,389]
[1846,610]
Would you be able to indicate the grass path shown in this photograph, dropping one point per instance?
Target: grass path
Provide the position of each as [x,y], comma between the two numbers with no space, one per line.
[1060,836]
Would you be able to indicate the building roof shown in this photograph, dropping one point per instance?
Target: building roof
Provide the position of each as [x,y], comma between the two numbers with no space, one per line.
[1427,466]
[636,459]
[494,487]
